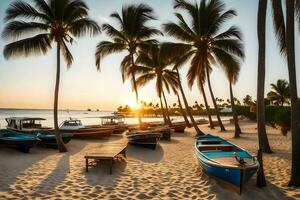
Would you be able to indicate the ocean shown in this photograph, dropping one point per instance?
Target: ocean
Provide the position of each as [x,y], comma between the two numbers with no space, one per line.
[87,117]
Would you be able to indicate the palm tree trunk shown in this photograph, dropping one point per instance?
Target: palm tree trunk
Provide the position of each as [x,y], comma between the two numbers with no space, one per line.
[290,49]
[261,30]
[237,128]
[199,132]
[163,111]
[214,102]
[183,111]
[206,106]
[60,144]
[135,89]
[167,109]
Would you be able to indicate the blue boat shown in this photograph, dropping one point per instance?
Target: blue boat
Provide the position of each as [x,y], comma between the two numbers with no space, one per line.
[33,126]
[47,138]
[16,140]
[225,161]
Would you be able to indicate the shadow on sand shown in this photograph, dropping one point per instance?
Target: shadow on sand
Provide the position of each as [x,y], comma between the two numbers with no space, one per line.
[99,174]
[250,191]
[144,154]
[61,170]
[9,163]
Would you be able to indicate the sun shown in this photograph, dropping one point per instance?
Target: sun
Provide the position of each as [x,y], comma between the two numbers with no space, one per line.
[132,103]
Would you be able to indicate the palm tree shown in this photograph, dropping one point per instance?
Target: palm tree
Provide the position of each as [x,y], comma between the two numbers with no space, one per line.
[201,81]
[132,34]
[290,52]
[187,107]
[40,25]
[248,100]
[155,65]
[261,31]
[232,72]
[202,39]
[280,94]
[182,110]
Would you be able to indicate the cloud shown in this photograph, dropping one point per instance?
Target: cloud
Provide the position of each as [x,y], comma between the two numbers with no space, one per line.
[103,20]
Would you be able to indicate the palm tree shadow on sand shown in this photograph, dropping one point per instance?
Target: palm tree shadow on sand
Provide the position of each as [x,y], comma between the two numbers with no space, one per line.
[14,170]
[61,170]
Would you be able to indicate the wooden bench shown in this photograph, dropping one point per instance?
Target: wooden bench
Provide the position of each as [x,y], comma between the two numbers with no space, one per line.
[109,151]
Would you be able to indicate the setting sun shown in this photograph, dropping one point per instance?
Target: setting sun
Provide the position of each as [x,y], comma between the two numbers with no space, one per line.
[132,103]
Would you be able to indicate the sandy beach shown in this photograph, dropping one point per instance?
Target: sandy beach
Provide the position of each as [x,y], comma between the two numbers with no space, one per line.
[169,172]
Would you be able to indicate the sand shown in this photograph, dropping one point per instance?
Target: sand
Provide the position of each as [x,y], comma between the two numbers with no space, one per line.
[169,172]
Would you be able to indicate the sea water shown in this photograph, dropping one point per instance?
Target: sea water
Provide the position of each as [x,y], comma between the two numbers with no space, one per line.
[87,117]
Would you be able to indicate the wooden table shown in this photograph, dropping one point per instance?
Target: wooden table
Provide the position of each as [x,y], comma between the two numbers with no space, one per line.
[108,151]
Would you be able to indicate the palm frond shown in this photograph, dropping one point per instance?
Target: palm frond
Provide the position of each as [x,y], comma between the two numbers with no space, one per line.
[176,31]
[105,48]
[124,67]
[67,54]
[183,24]
[15,29]
[84,26]
[297,8]
[142,80]
[231,46]
[279,26]
[43,7]
[36,45]
[20,9]
[119,19]
[172,50]
[194,70]
[148,32]
[229,63]
[75,10]
[180,61]
[232,32]
[215,25]
[112,32]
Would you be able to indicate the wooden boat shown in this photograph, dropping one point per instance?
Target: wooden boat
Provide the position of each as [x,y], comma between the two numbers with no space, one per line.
[17,140]
[33,126]
[115,122]
[225,161]
[178,127]
[165,130]
[147,139]
[75,127]
[201,121]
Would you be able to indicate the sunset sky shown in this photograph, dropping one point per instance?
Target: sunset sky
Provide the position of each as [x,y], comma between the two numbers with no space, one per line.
[29,82]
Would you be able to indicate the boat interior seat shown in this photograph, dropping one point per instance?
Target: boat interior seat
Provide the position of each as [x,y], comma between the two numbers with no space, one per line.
[30,125]
[220,147]
[211,142]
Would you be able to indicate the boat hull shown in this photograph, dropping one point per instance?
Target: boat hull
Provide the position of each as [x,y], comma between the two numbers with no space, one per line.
[117,129]
[220,159]
[147,140]
[89,133]
[48,138]
[178,127]
[234,178]
[19,141]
